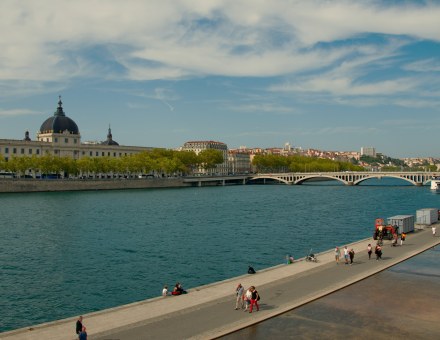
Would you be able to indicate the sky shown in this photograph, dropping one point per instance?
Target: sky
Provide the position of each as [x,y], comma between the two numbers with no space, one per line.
[329,75]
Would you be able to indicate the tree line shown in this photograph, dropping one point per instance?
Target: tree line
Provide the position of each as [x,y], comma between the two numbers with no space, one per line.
[159,161]
[297,163]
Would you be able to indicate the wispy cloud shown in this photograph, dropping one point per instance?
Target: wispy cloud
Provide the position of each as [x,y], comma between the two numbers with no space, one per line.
[263,108]
[17,112]
[426,65]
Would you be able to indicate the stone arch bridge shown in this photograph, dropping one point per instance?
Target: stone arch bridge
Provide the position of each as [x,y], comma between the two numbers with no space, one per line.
[348,178]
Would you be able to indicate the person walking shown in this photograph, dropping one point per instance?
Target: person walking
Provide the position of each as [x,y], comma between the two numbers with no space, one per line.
[351,254]
[369,251]
[346,254]
[247,298]
[378,252]
[433,231]
[337,254]
[402,238]
[254,299]
[79,325]
[239,291]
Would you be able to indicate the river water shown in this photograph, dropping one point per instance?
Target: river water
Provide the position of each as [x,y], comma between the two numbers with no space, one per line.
[70,253]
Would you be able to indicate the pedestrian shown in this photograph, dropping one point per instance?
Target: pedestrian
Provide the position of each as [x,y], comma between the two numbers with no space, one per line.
[239,291]
[79,325]
[351,254]
[402,238]
[346,254]
[165,290]
[337,255]
[83,334]
[369,251]
[378,252]
[247,298]
[394,243]
[433,231]
[255,297]
[251,270]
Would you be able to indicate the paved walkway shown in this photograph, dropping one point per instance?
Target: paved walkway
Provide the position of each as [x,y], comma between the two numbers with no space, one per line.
[208,311]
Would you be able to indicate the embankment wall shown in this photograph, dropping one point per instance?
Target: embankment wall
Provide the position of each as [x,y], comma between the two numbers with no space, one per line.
[42,185]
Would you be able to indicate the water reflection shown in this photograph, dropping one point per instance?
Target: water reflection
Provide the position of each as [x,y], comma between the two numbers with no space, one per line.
[402,301]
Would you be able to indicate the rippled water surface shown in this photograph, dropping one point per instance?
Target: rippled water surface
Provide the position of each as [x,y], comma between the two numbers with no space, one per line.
[64,254]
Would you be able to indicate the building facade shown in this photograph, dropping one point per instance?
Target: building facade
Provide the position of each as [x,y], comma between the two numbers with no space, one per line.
[199,146]
[59,136]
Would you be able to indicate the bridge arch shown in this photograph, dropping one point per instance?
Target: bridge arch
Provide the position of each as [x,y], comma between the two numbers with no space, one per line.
[384,176]
[305,178]
[275,178]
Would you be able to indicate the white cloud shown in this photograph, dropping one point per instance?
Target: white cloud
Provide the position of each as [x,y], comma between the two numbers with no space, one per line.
[46,39]
[426,65]
[17,112]
[263,107]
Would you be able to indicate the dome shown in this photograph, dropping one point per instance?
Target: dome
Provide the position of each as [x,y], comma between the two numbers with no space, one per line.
[59,122]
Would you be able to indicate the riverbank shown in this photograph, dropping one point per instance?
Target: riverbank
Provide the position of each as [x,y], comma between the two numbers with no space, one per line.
[17,185]
[208,311]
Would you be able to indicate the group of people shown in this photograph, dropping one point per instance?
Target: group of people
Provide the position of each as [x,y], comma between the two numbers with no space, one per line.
[177,290]
[348,255]
[246,300]
[81,329]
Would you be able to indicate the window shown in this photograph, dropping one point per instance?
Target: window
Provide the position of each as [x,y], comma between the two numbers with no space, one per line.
[108,153]
[90,153]
[6,150]
[97,153]
[114,154]
[102,154]
[56,152]
[14,150]
[56,140]
[66,140]
[38,151]
[83,153]
[30,151]
[22,151]
[74,141]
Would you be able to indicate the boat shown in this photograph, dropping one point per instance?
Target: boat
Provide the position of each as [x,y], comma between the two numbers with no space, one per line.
[435,184]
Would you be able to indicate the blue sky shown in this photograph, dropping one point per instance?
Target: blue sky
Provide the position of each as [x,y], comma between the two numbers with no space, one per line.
[331,75]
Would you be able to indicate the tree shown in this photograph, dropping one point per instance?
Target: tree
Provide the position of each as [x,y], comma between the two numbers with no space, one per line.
[209,158]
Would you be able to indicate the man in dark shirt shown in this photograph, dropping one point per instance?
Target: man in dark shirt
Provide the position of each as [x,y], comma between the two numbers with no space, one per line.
[79,325]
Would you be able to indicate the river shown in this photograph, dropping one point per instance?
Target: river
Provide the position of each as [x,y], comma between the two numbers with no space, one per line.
[70,253]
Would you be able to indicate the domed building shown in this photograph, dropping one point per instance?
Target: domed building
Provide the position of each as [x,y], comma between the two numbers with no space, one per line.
[59,136]
[59,122]
[59,128]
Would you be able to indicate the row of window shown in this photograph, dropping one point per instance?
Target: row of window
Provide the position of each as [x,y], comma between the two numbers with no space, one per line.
[22,151]
[66,140]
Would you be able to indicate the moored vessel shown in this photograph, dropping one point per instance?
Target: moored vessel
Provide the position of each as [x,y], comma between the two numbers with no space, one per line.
[435,184]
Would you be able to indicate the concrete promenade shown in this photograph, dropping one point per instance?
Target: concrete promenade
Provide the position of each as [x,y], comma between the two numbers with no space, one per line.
[208,311]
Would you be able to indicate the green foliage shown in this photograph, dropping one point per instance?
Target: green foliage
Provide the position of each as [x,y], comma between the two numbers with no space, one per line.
[159,160]
[209,158]
[274,163]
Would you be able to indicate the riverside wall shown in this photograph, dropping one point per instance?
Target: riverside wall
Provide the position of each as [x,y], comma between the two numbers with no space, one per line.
[47,185]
